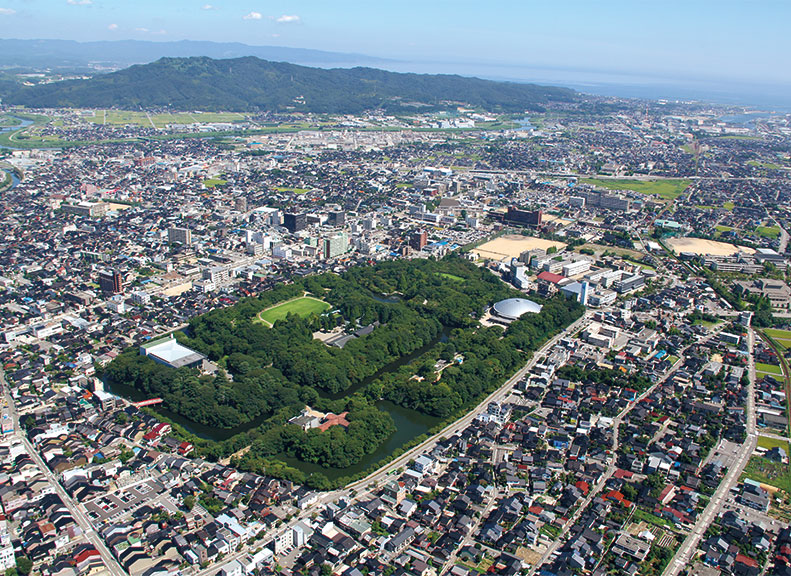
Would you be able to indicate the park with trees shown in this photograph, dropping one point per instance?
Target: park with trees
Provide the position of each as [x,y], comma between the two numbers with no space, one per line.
[422,312]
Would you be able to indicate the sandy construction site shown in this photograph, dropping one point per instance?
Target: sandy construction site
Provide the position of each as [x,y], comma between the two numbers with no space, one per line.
[512,245]
[704,247]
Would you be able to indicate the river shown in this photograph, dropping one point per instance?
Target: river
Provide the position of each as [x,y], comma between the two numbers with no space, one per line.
[23,123]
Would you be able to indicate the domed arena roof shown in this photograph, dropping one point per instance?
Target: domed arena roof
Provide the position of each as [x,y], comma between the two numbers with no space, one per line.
[513,308]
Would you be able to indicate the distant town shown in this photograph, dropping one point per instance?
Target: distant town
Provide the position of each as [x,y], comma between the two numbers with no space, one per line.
[623,264]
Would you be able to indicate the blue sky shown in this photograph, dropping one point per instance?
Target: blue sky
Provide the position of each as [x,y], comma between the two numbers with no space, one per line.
[743,41]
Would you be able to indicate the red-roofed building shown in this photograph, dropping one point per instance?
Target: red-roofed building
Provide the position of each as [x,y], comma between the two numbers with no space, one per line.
[746,560]
[551,277]
[331,420]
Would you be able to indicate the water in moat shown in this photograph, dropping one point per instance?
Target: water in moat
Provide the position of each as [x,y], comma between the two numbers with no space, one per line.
[409,423]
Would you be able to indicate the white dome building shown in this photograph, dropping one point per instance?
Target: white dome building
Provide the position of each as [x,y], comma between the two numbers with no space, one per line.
[513,308]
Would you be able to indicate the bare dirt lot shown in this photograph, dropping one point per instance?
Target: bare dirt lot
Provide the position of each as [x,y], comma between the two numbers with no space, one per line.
[706,247]
[512,245]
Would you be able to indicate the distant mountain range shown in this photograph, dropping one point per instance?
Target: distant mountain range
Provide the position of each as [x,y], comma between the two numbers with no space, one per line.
[55,55]
[250,84]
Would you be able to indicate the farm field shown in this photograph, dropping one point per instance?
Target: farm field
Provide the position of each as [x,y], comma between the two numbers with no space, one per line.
[768,369]
[769,443]
[781,337]
[124,117]
[768,472]
[668,189]
[304,306]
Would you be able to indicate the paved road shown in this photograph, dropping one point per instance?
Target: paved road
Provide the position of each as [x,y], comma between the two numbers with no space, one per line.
[79,516]
[687,550]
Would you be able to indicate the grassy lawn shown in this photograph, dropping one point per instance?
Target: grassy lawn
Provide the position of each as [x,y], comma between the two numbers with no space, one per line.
[705,323]
[451,277]
[641,515]
[672,359]
[770,443]
[768,165]
[768,231]
[304,306]
[669,189]
[768,369]
[212,182]
[768,472]
[294,190]
[729,205]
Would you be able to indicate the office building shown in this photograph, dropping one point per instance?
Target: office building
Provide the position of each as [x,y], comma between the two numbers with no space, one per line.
[599,199]
[335,246]
[110,282]
[240,204]
[418,239]
[295,222]
[216,274]
[89,209]
[523,217]
[181,235]
[337,219]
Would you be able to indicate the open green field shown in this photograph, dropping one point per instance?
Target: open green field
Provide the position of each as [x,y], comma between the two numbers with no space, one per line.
[729,205]
[768,369]
[768,231]
[451,277]
[292,190]
[781,337]
[304,306]
[668,189]
[770,443]
[212,182]
[8,121]
[767,165]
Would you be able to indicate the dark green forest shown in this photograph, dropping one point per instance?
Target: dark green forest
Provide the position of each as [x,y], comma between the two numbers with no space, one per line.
[270,374]
[249,84]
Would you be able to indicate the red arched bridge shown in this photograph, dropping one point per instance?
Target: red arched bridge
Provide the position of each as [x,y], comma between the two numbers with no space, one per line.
[150,402]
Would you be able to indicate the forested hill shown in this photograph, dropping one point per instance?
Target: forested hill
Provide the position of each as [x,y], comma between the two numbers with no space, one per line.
[250,84]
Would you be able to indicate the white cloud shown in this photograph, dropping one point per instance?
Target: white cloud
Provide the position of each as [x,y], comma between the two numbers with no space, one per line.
[288,19]
[252,16]
[142,30]
[7,12]
[79,2]
[113,27]
[209,7]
